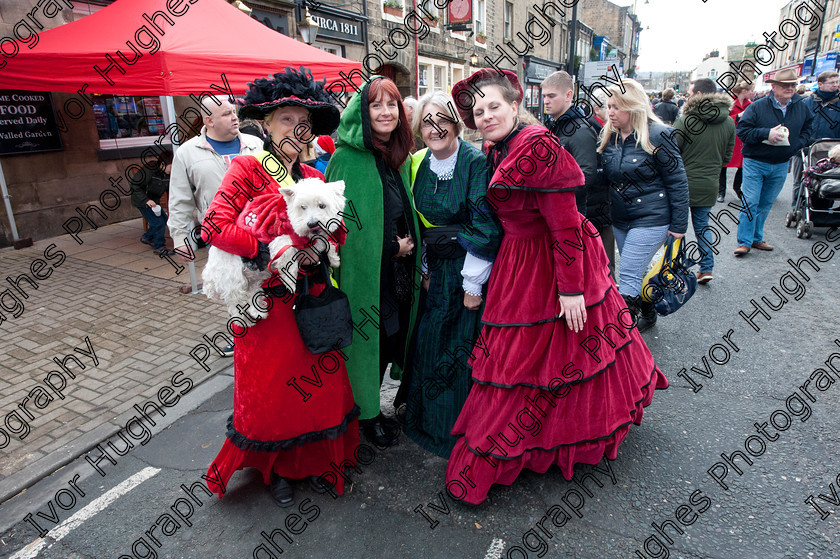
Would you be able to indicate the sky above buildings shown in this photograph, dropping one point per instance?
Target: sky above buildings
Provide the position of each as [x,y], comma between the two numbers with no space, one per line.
[676,34]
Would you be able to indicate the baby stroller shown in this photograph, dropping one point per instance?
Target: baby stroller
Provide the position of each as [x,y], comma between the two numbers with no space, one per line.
[815,205]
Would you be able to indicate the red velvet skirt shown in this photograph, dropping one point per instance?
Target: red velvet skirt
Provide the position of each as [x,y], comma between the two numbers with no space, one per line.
[542,393]
[311,430]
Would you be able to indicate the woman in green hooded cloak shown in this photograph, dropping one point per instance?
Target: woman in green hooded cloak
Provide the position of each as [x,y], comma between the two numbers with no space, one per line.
[380,270]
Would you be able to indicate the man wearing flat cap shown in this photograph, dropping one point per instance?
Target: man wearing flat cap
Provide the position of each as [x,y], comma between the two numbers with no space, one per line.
[773,129]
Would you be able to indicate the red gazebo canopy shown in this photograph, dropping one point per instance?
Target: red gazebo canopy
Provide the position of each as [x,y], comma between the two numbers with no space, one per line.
[205,39]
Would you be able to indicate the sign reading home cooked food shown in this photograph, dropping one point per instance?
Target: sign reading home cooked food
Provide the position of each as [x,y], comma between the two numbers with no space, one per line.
[27,122]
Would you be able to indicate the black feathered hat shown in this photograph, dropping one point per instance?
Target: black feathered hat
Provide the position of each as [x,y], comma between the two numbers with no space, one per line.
[295,88]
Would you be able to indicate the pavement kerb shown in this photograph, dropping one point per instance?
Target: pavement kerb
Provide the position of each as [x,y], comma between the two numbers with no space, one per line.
[46,466]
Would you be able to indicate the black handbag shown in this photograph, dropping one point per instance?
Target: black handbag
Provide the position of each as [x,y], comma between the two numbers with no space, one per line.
[442,242]
[324,321]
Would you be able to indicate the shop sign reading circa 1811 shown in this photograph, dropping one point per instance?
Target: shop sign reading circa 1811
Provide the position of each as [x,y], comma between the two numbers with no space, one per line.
[27,122]
[334,26]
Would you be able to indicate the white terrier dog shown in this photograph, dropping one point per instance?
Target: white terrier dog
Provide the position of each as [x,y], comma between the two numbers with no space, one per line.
[309,219]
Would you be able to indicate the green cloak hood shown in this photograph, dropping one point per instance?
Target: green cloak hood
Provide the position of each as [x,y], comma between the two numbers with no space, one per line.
[358,276]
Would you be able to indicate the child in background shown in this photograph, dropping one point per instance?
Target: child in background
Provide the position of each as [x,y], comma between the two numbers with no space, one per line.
[146,192]
[823,165]
[324,147]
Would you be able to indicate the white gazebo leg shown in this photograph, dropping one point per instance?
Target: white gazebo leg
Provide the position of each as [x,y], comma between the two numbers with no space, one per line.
[6,199]
[169,115]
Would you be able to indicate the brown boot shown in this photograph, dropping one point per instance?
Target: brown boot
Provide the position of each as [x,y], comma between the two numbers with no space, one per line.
[741,250]
[762,245]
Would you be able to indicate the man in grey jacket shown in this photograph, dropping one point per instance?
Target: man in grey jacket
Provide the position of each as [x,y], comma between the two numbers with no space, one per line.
[198,168]
[197,171]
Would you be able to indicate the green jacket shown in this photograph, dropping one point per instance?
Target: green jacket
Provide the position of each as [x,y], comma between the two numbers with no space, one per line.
[705,135]
[358,276]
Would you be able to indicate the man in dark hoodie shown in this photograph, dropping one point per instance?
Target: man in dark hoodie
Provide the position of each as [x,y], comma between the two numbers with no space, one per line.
[825,106]
[706,137]
[579,135]
[773,129]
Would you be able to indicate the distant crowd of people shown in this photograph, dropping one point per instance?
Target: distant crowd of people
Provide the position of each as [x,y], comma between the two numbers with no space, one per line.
[773,127]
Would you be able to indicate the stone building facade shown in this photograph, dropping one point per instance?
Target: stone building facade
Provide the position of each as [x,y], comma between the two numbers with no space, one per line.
[47,188]
[798,52]
[406,40]
[616,22]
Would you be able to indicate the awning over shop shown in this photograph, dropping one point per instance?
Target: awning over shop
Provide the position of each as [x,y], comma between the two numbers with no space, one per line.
[160,47]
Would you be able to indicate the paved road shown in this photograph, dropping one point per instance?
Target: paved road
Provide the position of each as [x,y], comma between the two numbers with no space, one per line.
[661,473]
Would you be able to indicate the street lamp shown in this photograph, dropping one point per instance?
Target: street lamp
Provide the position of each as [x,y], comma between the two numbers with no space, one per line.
[308,28]
[242,7]
[570,61]
[473,59]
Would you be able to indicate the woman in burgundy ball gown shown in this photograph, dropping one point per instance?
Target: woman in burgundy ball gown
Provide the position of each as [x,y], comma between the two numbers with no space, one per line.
[563,372]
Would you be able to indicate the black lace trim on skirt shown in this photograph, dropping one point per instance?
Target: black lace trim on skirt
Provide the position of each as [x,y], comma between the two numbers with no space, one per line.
[330,433]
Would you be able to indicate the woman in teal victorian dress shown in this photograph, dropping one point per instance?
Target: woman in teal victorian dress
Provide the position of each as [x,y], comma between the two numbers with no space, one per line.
[460,240]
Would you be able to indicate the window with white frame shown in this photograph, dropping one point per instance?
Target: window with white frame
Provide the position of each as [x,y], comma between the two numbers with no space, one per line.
[393,5]
[478,15]
[508,20]
[429,7]
[457,75]
[434,75]
[332,49]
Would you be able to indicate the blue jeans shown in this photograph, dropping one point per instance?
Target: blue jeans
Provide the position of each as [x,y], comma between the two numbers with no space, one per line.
[700,222]
[157,225]
[761,186]
[636,246]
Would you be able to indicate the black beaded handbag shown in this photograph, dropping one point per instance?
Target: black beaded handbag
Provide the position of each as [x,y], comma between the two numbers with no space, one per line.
[324,321]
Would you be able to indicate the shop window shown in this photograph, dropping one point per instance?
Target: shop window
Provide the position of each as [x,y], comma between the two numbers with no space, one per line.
[533,99]
[457,75]
[433,76]
[82,9]
[332,49]
[127,116]
[423,79]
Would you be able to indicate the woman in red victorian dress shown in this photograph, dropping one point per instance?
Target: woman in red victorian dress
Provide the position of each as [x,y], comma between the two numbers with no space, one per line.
[563,371]
[274,427]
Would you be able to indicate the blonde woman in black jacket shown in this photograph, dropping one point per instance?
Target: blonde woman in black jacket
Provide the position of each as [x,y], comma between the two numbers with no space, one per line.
[649,189]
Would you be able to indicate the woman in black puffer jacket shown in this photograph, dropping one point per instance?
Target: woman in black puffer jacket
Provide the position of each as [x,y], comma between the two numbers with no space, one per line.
[649,189]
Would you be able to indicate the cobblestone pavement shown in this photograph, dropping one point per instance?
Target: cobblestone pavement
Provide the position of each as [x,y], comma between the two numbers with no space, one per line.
[126,301]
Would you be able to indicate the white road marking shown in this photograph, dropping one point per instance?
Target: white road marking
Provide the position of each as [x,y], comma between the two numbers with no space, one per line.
[97,505]
[497,546]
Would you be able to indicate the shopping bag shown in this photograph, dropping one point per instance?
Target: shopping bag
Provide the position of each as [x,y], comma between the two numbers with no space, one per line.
[670,283]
